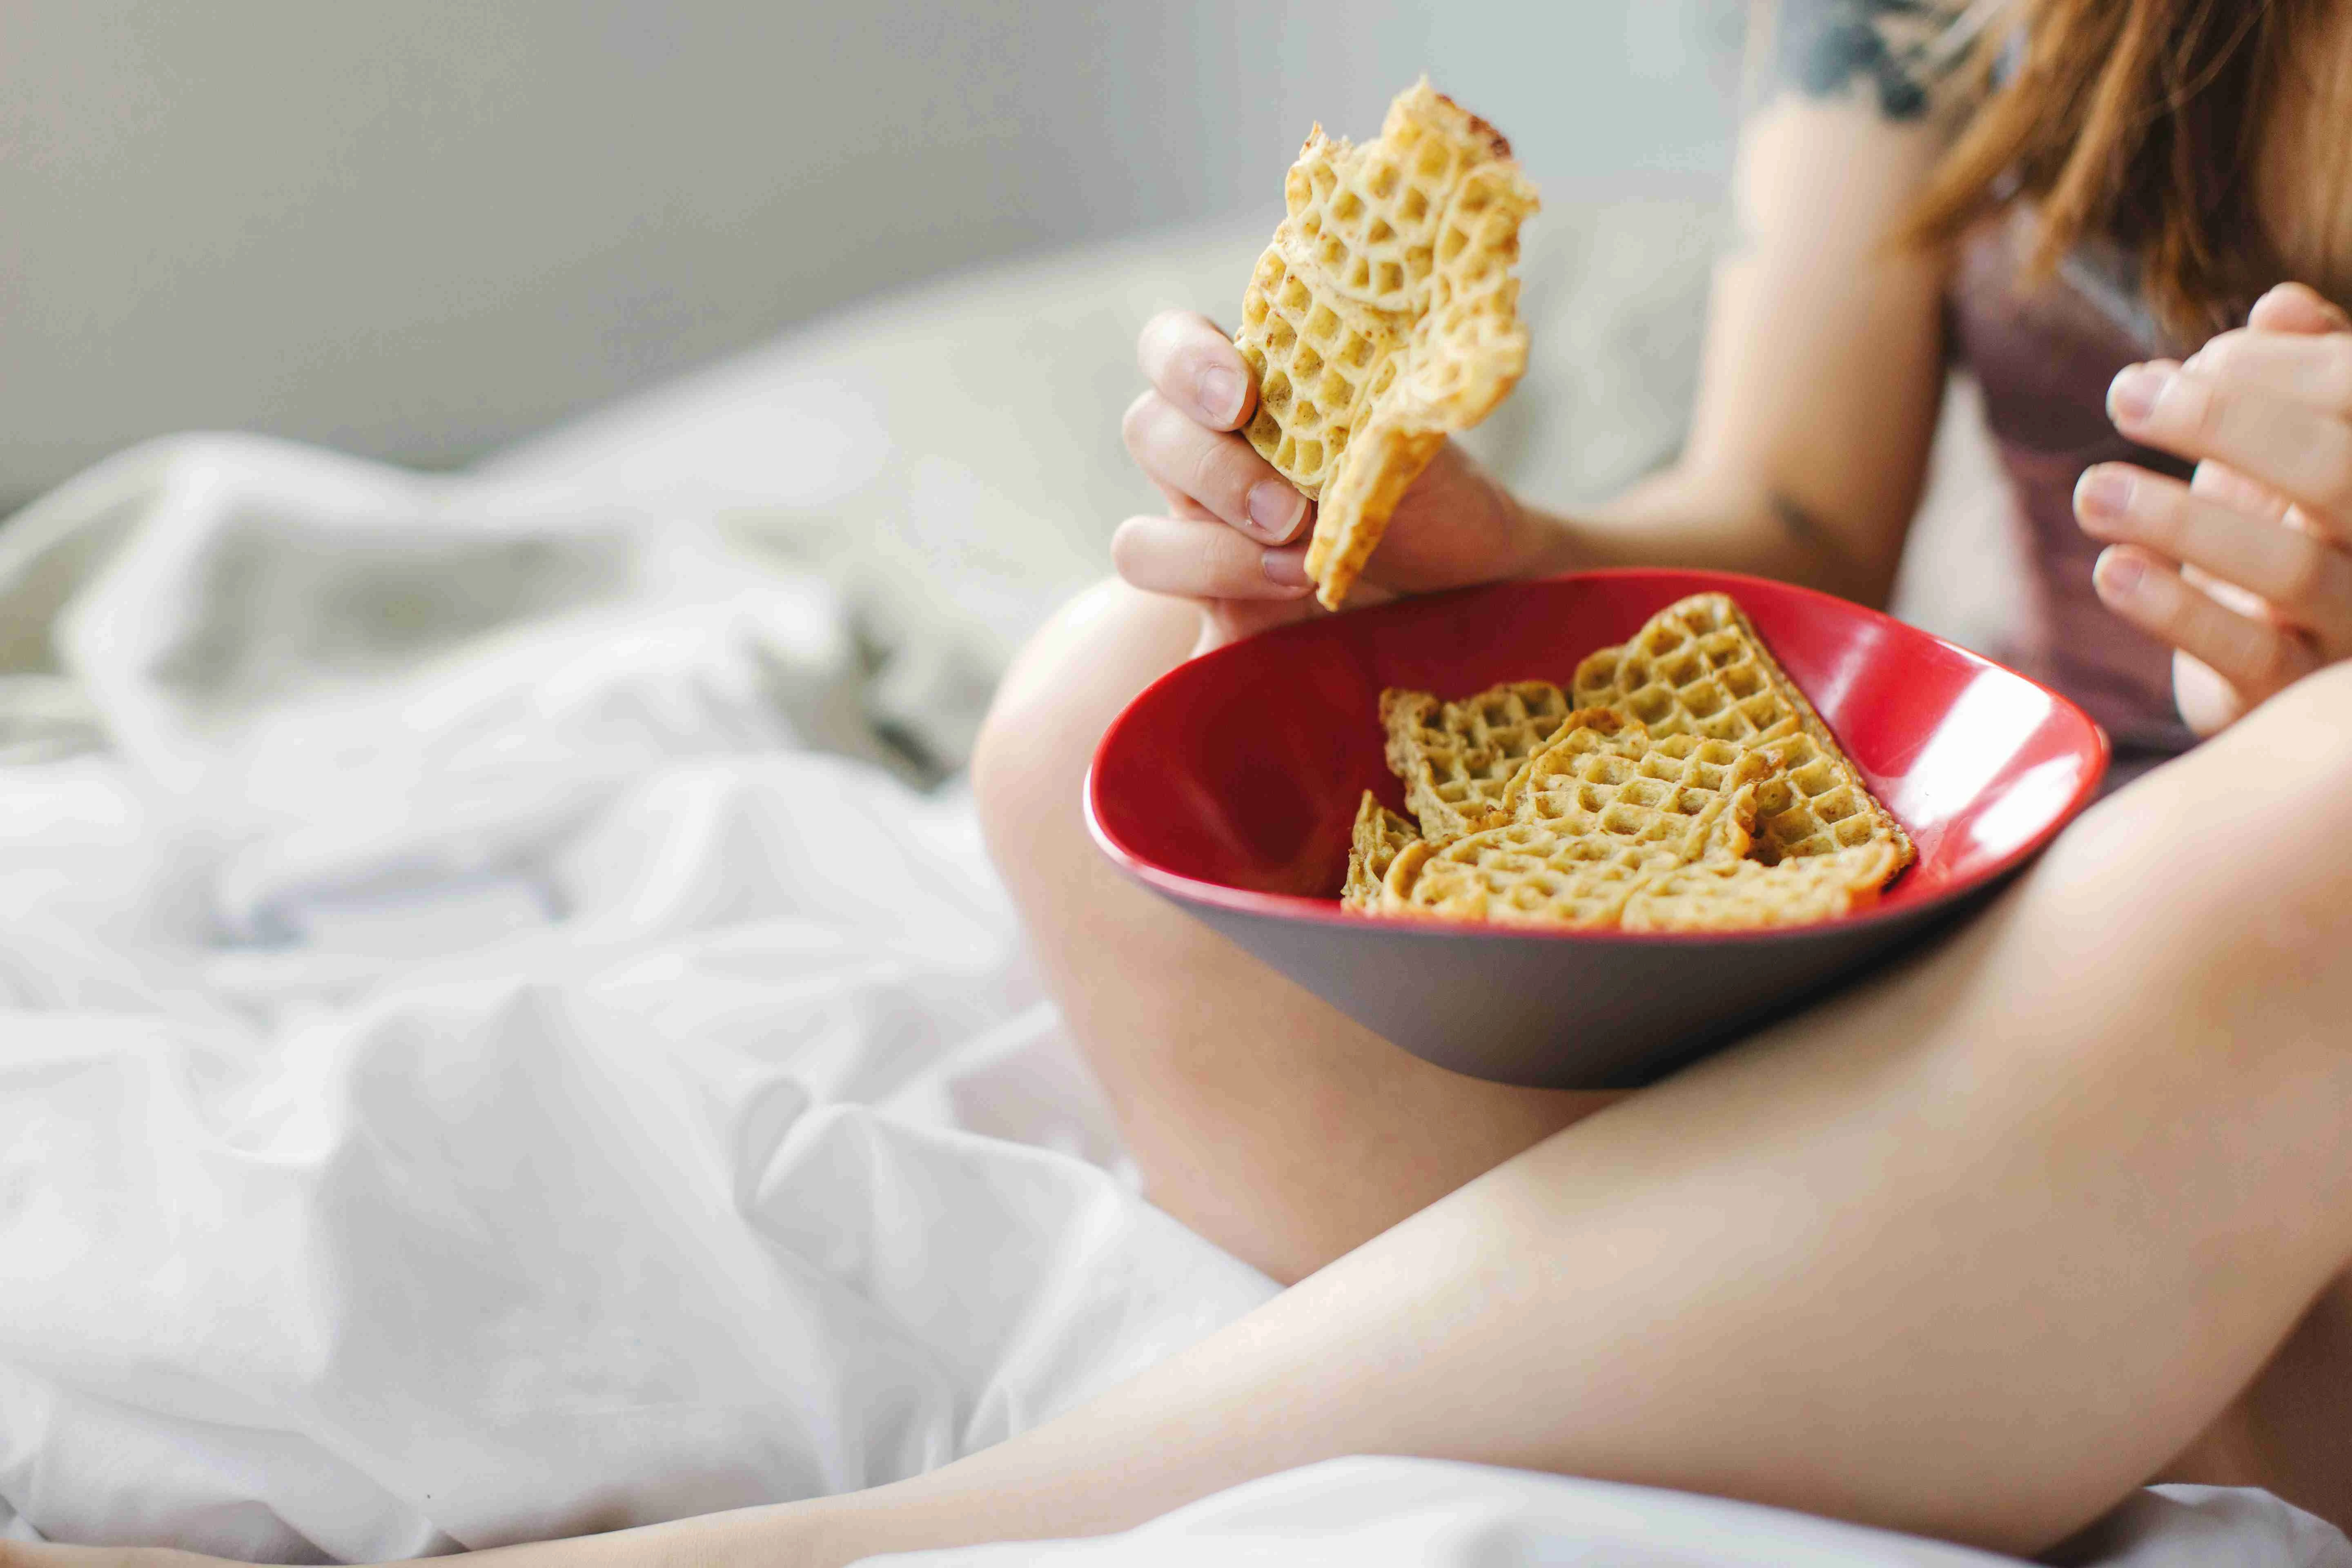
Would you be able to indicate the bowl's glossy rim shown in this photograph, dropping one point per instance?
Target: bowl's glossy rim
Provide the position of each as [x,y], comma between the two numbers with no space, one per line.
[1330,912]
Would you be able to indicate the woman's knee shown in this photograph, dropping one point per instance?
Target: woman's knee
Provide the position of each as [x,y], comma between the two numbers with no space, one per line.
[1061,693]
[2237,849]
[2178,955]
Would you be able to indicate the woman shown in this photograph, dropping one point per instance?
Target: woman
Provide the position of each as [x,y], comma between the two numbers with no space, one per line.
[2078,197]
[1975,1249]
[2125,182]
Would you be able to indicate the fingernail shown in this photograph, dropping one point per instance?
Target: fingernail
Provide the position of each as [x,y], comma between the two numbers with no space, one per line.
[2134,393]
[2121,575]
[1288,568]
[1220,391]
[1275,509]
[2104,493]
[2305,291]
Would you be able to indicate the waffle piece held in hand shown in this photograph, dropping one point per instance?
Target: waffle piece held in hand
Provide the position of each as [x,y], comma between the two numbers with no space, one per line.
[1380,834]
[1584,825]
[1384,315]
[1698,668]
[1455,758]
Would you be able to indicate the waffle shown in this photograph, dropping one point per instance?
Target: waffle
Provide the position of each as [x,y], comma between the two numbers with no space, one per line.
[1383,315]
[1742,895]
[1525,873]
[1698,668]
[1607,776]
[1456,758]
[1380,834]
[1585,823]
[1681,781]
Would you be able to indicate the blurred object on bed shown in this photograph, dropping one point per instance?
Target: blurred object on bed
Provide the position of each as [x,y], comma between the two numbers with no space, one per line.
[951,458]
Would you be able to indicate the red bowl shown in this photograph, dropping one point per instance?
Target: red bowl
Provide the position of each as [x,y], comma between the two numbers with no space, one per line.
[1230,785]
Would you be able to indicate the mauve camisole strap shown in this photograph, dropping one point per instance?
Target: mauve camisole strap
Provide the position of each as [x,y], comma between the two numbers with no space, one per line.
[2043,359]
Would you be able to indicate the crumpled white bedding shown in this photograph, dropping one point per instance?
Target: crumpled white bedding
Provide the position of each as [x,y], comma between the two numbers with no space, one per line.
[470,1069]
[448,1035]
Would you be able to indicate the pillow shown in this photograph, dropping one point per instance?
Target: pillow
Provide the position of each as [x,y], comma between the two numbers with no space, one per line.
[951,458]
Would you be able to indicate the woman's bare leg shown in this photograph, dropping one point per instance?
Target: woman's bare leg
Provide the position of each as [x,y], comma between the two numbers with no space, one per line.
[1260,1115]
[1971,1250]
[2285,1432]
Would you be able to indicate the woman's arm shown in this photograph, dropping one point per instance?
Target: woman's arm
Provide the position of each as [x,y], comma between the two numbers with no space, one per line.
[1822,370]
[1817,396]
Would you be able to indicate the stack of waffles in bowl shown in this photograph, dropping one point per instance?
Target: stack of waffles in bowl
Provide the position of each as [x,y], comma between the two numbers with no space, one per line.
[1681,782]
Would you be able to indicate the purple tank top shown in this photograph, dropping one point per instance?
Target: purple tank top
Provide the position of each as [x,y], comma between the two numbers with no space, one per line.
[2043,359]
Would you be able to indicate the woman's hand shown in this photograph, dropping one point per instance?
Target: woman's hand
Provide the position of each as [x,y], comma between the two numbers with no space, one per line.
[2247,569]
[1234,535]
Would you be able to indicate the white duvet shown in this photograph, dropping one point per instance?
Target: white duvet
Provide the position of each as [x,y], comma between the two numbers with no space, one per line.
[471,1069]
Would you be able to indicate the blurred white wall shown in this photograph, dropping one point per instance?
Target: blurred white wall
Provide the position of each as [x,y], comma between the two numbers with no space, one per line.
[418,229]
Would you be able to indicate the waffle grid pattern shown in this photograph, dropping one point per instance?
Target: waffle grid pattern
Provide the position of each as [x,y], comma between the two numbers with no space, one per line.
[1698,668]
[1456,759]
[1380,835]
[1586,825]
[1680,783]
[1607,777]
[1742,895]
[1383,315]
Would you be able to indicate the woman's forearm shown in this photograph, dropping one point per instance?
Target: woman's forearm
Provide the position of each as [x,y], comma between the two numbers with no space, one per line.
[1683,517]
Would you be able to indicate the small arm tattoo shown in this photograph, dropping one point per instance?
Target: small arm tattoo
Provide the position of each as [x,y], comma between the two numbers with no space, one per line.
[1826,48]
[1802,526]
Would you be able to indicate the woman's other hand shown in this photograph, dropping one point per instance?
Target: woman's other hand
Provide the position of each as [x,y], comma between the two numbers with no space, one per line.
[2247,569]
[1234,536]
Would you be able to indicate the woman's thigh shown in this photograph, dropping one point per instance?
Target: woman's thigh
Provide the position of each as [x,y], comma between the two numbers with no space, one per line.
[1260,1115]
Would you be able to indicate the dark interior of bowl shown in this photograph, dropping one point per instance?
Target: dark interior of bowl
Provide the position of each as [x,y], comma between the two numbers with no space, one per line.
[1230,787]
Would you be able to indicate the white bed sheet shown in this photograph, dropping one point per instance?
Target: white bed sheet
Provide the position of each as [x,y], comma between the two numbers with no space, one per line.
[445,1034]
[470,1070]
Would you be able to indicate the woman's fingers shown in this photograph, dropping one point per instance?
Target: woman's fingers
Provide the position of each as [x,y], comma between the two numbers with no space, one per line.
[2297,307]
[1218,488]
[2313,370]
[2307,579]
[1221,472]
[2244,570]
[2208,703]
[2221,483]
[1196,560]
[1193,364]
[2302,452]
[2255,657]
[1231,620]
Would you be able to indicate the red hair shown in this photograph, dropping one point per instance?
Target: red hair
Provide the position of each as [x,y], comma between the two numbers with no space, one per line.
[2141,120]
